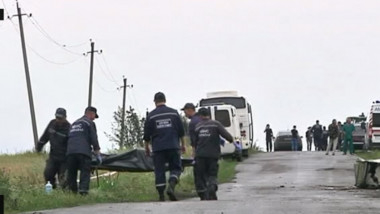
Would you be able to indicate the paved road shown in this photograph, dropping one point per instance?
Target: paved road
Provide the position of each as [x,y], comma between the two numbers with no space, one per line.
[281,182]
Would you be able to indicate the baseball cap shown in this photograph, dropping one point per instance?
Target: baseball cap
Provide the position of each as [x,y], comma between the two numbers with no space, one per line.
[204,112]
[188,106]
[60,113]
[159,97]
[93,109]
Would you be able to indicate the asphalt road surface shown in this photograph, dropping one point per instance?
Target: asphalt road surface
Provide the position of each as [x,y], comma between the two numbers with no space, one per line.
[281,182]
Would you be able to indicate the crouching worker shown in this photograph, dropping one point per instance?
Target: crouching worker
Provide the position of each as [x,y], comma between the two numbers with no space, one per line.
[57,133]
[207,154]
[82,139]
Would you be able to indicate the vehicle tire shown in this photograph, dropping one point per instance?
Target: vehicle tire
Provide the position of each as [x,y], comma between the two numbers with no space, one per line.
[239,158]
[245,153]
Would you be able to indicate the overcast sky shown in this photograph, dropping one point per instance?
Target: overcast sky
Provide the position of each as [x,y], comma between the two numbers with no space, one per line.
[295,61]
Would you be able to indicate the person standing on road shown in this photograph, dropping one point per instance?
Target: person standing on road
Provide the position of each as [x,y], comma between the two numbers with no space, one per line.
[57,133]
[207,137]
[348,128]
[268,137]
[340,137]
[295,137]
[325,138]
[164,129]
[309,138]
[82,137]
[194,117]
[317,135]
[334,135]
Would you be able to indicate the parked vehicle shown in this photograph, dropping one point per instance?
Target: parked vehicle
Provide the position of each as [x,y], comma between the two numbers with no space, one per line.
[358,136]
[372,136]
[283,142]
[243,112]
[226,115]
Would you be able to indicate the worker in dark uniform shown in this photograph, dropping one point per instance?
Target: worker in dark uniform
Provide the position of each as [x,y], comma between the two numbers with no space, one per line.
[208,133]
[194,117]
[268,137]
[56,133]
[317,134]
[82,137]
[163,129]
[309,138]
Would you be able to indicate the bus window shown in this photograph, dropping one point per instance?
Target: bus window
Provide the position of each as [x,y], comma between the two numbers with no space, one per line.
[238,102]
[223,116]
[376,120]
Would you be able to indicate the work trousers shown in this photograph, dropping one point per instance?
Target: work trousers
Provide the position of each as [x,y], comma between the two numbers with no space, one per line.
[82,163]
[309,142]
[348,143]
[333,142]
[318,143]
[206,176]
[269,144]
[172,157]
[53,168]
[294,144]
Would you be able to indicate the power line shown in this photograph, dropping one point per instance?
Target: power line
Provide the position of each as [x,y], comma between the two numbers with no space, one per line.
[42,57]
[105,90]
[47,36]
[50,61]
[108,68]
[104,73]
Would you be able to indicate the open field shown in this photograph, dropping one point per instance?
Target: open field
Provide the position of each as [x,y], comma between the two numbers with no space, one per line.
[22,183]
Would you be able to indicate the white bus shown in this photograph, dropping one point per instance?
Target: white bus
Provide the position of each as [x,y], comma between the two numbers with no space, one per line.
[243,112]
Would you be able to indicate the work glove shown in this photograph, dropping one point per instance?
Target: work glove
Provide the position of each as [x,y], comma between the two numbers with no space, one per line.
[99,159]
[222,142]
[237,145]
[39,146]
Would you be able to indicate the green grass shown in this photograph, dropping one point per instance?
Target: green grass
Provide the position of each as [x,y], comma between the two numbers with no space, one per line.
[22,183]
[372,154]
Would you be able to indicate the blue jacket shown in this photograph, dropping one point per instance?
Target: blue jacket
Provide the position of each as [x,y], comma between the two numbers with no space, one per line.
[163,128]
[82,137]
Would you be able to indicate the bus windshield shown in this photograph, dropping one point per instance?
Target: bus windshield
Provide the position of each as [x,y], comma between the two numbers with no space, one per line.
[238,102]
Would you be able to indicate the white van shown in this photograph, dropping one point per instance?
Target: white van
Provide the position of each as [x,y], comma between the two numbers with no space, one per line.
[227,116]
[372,137]
[243,112]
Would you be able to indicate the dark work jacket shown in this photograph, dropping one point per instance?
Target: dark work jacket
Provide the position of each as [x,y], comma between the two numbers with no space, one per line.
[269,133]
[317,131]
[163,128]
[195,119]
[207,137]
[82,137]
[294,133]
[57,134]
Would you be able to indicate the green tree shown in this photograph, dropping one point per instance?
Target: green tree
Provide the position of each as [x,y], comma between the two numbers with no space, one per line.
[133,130]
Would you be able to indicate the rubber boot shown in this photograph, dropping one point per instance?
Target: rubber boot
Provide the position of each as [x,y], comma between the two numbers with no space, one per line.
[212,192]
[161,197]
[170,190]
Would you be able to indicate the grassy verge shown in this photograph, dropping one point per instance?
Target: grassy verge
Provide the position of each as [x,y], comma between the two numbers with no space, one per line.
[372,154]
[22,183]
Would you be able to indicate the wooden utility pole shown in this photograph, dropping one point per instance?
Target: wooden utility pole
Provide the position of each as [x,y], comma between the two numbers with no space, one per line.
[27,75]
[91,71]
[123,113]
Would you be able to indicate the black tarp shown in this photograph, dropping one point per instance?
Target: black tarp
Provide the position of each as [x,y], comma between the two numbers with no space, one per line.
[132,161]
